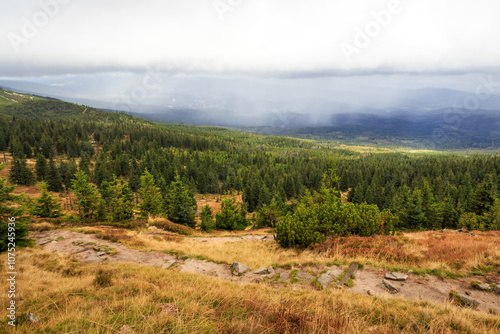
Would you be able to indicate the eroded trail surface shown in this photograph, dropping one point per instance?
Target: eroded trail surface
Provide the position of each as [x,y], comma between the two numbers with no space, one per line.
[89,248]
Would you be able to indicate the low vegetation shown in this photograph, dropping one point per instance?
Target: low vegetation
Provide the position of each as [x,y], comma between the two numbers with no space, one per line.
[105,299]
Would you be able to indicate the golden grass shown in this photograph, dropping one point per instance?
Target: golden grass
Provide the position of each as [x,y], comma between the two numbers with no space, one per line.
[62,293]
[444,254]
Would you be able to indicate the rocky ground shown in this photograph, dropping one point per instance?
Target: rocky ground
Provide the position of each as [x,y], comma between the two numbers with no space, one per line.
[368,281]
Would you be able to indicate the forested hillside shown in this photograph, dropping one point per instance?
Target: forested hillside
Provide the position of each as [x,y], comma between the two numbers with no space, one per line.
[275,175]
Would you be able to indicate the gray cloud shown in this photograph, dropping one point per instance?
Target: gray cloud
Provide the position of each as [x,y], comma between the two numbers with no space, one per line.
[279,38]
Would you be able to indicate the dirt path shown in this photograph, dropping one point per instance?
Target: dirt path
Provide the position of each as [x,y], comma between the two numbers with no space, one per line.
[89,248]
[235,238]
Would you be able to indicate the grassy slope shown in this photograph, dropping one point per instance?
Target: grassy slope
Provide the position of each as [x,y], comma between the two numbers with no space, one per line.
[61,290]
[64,294]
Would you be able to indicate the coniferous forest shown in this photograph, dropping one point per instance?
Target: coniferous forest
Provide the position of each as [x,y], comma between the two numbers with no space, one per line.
[120,167]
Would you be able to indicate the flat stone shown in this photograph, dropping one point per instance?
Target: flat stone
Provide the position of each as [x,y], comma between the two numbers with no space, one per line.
[303,275]
[261,271]
[325,280]
[386,285]
[101,253]
[44,242]
[496,289]
[396,276]
[168,264]
[484,287]
[335,272]
[284,276]
[271,271]
[92,259]
[465,301]
[53,242]
[353,268]
[240,268]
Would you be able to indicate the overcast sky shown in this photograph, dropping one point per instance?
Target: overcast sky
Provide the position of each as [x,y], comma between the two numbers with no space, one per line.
[270,38]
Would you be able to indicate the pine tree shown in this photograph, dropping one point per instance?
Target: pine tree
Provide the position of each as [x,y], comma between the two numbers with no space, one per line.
[207,219]
[121,206]
[180,204]
[150,196]
[11,215]
[88,198]
[46,205]
[54,179]
[20,172]
[231,216]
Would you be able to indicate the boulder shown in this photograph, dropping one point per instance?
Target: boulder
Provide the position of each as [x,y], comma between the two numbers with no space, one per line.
[484,287]
[302,275]
[386,285]
[353,268]
[284,276]
[335,272]
[396,276]
[496,289]
[370,292]
[240,268]
[463,300]
[271,271]
[325,280]
[261,271]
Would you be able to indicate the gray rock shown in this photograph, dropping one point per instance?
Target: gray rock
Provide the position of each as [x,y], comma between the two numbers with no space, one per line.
[53,242]
[302,275]
[396,276]
[43,242]
[335,272]
[465,301]
[168,264]
[101,253]
[31,317]
[386,285]
[496,289]
[284,276]
[353,268]
[92,259]
[325,280]
[484,287]
[370,292]
[271,271]
[240,268]
[261,271]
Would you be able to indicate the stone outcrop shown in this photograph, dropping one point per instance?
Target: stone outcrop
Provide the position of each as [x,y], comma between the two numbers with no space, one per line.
[396,276]
[240,268]
[325,280]
[386,285]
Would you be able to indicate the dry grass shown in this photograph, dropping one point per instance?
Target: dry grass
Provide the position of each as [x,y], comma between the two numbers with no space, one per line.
[437,253]
[62,293]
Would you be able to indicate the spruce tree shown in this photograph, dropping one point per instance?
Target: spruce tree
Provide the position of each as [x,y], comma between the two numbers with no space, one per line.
[46,205]
[11,215]
[54,179]
[20,173]
[207,219]
[150,196]
[180,204]
[88,198]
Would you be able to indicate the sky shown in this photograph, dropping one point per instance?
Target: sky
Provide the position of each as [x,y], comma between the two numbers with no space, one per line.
[256,38]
